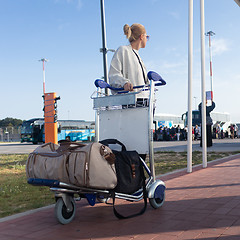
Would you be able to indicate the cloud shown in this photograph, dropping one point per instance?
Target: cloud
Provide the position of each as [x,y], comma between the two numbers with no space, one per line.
[220,46]
[154,1]
[63,26]
[77,3]
[174,15]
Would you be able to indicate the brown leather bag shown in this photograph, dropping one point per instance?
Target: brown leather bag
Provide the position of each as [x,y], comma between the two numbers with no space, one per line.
[85,165]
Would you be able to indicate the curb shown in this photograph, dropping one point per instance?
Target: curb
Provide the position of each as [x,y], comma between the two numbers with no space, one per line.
[18,215]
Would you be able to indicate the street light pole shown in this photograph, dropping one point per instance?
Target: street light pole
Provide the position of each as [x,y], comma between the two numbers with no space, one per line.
[209,34]
[43,60]
[202,29]
[190,64]
[104,44]
[195,102]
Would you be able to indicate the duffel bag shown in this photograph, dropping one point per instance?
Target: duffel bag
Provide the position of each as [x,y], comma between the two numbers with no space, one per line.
[85,165]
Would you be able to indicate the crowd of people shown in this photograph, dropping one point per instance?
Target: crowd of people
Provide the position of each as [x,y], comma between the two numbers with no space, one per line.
[231,132]
[176,133]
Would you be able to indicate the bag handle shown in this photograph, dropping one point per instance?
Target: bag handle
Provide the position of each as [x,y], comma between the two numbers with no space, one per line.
[66,145]
[52,147]
[106,142]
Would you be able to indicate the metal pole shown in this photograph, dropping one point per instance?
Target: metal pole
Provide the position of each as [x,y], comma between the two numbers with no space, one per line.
[97,120]
[195,101]
[150,129]
[209,34]
[190,60]
[1,133]
[43,78]
[204,145]
[104,44]
[43,60]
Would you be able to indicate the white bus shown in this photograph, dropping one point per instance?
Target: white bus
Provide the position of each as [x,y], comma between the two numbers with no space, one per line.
[167,120]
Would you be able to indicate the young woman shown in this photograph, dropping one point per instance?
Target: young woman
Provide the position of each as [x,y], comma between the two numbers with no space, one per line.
[127,68]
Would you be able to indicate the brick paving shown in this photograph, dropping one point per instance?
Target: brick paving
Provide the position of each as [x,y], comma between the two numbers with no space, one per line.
[202,205]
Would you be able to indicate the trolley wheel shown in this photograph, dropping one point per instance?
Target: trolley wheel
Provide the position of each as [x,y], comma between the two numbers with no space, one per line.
[102,199]
[61,213]
[158,197]
[156,202]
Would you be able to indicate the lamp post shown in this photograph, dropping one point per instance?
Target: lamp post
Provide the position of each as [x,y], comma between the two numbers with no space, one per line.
[104,44]
[43,60]
[195,101]
[190,64]
[204,142]
[209,34]
[104,48]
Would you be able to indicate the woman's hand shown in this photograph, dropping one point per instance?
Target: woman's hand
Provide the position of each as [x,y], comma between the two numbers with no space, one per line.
[128,86]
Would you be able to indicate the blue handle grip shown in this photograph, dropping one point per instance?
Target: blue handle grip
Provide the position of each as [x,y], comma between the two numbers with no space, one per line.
[151,76]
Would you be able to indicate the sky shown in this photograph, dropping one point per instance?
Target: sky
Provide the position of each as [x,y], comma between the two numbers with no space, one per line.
[68,33]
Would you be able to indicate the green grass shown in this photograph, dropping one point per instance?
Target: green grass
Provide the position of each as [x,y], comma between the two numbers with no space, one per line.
[17,196]
[169,161]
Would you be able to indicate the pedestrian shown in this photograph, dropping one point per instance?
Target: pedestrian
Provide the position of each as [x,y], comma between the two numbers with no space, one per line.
[232,131]
[208,123]
[196,132]
[192,133]
[218,131]
[178,132]
[235,130]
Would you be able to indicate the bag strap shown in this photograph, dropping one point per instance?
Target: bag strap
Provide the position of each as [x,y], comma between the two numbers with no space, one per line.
[144,77]
[120,216]
[106,142]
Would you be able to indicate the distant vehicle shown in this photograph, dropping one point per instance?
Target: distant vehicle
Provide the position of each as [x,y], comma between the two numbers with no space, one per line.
[32,130]
[167,120]
[223,119]
[74,130]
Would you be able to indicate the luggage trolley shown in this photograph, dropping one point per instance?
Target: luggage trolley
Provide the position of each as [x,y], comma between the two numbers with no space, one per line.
[124,117]
[112,112]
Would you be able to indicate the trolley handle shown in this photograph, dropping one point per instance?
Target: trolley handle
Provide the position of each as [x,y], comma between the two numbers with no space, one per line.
[151,76]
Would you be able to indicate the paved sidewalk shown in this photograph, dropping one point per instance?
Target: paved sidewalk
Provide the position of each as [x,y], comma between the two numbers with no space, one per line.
[202,205]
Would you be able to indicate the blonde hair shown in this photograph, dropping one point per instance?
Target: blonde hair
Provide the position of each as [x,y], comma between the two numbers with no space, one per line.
[133,33]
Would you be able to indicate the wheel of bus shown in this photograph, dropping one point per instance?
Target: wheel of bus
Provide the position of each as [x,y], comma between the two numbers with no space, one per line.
[62,214]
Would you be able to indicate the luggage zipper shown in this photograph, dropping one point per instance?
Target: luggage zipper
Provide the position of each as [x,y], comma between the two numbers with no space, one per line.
[86,174]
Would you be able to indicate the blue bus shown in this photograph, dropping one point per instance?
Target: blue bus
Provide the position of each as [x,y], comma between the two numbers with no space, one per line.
[74,130]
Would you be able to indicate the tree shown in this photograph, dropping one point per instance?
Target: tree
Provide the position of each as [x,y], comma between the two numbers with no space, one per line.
[10,122]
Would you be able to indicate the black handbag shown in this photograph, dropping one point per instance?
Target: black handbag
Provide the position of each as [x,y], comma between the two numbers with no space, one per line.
[130,174]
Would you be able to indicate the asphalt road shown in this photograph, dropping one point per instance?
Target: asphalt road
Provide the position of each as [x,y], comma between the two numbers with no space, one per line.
[219,145]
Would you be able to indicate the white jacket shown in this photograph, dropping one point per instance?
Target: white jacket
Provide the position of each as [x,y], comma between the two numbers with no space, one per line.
[125,67]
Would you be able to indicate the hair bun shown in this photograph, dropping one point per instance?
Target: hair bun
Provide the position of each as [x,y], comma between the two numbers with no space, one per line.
[127,30]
